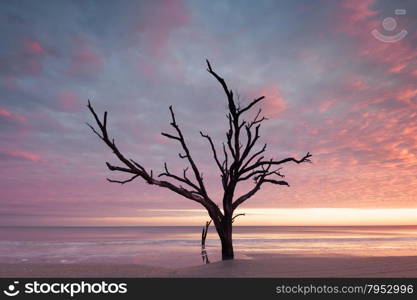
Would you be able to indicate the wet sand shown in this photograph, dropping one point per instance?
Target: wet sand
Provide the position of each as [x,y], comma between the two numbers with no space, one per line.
[262,265]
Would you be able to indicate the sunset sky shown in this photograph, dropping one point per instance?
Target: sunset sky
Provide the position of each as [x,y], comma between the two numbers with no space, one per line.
[331,88]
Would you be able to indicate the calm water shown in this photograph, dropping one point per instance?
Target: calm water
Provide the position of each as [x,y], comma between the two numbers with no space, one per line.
[180,246]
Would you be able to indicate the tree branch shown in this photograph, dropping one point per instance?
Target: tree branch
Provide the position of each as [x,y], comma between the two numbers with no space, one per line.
[229,93]
[138,170]
[241,111]
[213,149]
[238,215]
[187,155]
[305,158]
[260,177]
[183,180]
[123,181]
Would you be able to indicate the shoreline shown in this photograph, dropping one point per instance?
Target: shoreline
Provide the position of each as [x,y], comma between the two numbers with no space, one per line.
[261,265]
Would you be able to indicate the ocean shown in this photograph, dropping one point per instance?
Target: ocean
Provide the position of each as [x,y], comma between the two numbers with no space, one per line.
[179,246]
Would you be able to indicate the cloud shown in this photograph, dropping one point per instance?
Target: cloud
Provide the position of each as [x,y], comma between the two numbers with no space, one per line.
[157,24]
[69,102]
[5,114]
[356,16]
[274,102]
[331,88]
[19,155]
[408,95]
[34,47]
[85,58]
[27,60]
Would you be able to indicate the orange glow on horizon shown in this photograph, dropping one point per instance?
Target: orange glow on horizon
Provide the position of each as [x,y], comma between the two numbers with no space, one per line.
[267,217]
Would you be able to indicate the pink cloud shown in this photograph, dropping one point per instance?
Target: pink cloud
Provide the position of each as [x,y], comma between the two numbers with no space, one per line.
[408,95]
[34,47]
[24,155]
[398,68]
[155,30]
[354,14]
[358,85]
[273,103]
[69,102]
[31,58]
[85,59]
[24,61]
[325,105]
[371,137]
[160,22]
[4,113]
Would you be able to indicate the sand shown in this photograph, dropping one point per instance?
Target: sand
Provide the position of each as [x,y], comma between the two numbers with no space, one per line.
[260,266]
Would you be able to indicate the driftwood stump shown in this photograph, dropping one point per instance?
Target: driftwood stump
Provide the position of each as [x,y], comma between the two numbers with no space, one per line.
[204,255]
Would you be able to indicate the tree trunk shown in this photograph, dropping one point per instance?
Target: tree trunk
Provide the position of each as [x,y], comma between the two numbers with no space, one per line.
[226,240]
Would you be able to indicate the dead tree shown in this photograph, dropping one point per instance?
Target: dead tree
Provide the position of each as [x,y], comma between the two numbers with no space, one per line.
[240,161]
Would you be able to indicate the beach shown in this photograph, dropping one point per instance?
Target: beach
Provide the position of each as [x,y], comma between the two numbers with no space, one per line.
[349,251]
[264,265]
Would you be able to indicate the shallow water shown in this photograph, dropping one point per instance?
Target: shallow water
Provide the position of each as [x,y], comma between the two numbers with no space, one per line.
[180,246]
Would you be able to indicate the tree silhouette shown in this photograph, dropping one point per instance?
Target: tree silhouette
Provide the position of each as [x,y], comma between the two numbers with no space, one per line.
[240,161]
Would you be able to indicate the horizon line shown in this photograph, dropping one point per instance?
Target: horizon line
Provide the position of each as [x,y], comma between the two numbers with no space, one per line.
[133,226]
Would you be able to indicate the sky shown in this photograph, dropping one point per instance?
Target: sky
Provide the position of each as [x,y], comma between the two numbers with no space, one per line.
[332,88]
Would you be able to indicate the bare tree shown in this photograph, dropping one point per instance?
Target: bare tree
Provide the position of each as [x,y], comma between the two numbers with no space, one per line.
[241,161]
